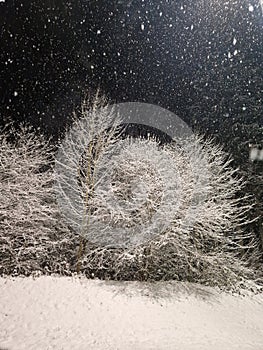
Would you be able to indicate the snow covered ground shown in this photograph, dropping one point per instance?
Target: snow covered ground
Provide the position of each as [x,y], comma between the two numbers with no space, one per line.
[79,314]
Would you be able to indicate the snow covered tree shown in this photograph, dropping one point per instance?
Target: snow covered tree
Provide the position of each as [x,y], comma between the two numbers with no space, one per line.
[128,208]
[150,211]
[32,237]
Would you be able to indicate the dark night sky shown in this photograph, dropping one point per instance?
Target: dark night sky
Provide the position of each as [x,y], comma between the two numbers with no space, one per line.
[201,59]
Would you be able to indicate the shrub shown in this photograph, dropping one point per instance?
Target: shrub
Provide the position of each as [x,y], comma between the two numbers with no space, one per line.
[152,212]
[32,237]
[133,209]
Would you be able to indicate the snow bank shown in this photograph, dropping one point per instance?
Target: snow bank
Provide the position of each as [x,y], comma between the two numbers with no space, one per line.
[80,314]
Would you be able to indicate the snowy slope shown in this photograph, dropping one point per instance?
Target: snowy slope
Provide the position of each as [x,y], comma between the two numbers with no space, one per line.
[79,314]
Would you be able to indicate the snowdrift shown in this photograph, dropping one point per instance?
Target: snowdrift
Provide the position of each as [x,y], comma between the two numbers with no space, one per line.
[80,314]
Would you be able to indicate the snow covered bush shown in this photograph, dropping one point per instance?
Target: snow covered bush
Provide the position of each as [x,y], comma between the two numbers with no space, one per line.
[116,206]
[32,237]
[151,211]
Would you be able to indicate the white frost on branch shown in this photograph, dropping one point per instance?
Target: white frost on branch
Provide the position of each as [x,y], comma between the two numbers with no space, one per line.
[141,211]
[148,211]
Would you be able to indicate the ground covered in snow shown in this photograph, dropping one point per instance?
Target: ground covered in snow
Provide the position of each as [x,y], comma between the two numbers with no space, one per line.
[79,314]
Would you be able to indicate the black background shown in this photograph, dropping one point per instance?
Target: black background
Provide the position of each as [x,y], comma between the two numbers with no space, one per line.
[176,54]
